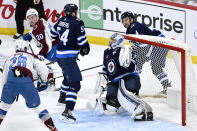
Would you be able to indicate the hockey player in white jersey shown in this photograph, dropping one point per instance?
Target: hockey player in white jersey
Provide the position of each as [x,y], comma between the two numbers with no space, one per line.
[18,79]
[119,84]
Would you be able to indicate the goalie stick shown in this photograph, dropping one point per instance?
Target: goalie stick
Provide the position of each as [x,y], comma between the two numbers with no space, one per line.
[58,89]
[82,70]
[92,107]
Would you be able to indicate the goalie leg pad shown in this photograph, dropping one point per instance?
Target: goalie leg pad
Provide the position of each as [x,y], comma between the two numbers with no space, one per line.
[130,102]
[101,83]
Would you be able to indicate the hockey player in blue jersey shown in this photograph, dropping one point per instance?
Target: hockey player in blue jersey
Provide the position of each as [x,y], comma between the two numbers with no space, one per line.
[70,31]
[144,52]
[18,75]
[123,82]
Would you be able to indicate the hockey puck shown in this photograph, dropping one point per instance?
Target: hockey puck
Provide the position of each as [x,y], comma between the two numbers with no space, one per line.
[57,15]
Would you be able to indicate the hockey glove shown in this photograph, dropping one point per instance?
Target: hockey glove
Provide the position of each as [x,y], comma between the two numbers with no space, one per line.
[27,37]
[41,86]
[85,50]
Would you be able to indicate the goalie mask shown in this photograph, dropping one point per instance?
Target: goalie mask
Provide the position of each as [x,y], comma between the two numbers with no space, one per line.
[21,45]
[116,40]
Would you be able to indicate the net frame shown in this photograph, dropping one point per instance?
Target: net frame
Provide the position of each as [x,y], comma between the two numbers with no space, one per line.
[172,45]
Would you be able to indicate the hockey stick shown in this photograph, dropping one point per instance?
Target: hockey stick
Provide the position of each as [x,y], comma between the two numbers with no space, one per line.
[92,107]
[58,89]
[83,70]
[31,49]
[51,62]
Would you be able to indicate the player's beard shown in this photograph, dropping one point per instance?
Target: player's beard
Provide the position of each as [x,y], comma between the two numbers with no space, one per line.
[127,25]
[32,24]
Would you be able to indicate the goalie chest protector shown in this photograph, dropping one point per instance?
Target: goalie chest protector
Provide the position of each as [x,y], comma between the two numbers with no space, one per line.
[112,66]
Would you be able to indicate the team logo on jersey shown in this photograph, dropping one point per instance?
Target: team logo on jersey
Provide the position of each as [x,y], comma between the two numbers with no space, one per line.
[111,67]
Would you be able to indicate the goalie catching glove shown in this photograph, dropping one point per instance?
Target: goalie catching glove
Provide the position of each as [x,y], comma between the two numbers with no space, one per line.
[125,56]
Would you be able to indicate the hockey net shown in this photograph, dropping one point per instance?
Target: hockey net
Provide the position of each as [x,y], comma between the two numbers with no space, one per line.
[167,63]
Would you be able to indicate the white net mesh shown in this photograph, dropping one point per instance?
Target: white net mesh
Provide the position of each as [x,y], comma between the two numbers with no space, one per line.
[160,69]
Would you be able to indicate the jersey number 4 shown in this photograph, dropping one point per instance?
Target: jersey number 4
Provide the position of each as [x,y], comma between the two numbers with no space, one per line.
[64,36]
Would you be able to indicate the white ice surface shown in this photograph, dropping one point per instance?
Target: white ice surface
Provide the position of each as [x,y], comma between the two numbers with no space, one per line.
[20,118]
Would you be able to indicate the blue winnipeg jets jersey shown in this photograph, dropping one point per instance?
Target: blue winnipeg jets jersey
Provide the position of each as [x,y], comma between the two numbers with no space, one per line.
[138,28]
[71,32]
[112,68]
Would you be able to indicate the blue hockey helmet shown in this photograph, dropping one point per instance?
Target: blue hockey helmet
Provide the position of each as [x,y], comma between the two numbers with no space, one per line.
[127,14]
[70,8]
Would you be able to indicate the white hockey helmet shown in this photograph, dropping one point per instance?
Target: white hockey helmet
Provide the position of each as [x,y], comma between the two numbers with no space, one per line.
[21,45]
[31,11]
[116,40]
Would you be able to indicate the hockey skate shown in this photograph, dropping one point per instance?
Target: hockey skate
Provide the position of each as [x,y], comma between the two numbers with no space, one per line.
[61,100]
[67,117]
[163,93]
[51,83]
[17,36]
[49,123]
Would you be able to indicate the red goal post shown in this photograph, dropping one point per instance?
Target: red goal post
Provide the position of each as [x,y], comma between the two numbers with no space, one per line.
[171,45]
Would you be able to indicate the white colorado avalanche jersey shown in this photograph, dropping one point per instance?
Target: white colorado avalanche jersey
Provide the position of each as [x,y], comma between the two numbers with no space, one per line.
[27,63]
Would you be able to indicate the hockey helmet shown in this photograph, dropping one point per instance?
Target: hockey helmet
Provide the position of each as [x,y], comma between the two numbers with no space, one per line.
[127,14]
[21,45]
[70,8]
[116,40]
[31,11]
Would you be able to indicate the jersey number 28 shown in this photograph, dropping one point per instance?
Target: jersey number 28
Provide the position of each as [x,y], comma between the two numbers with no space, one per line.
[19,61]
